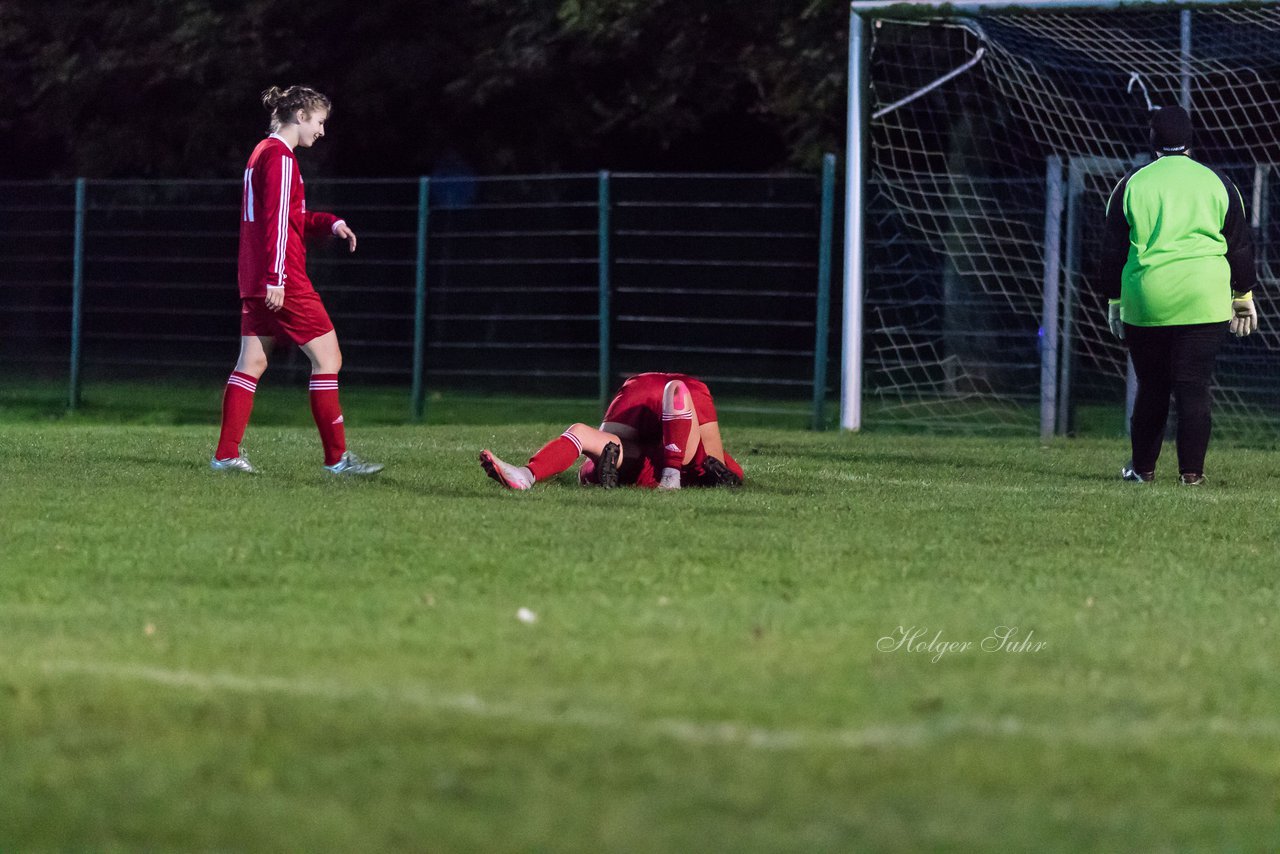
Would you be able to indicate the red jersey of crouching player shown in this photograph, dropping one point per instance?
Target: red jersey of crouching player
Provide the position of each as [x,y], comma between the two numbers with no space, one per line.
[638,404]
[275,224]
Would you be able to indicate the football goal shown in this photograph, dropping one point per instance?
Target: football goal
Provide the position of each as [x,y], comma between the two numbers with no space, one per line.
[984,139]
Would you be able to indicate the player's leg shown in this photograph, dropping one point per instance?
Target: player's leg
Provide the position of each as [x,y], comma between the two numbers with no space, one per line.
[714,464]
[1149,348]
[1195,350]
[326,407]
[237,402]
[709,437]
[556,456]
[679,432]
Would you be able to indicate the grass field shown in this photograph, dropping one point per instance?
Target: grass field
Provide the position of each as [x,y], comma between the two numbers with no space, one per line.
[191,661]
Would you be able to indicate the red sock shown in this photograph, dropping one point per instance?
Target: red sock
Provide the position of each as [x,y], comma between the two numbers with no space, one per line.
[555,456]
[237,403]
[328,414]
[677,421]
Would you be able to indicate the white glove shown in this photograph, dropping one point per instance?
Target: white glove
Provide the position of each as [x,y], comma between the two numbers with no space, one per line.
[1244,317]
[1113,319]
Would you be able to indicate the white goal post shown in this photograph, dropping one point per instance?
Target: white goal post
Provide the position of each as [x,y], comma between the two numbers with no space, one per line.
[957,114]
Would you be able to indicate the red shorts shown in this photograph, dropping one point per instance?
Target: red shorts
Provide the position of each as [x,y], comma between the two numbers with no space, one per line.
[302,318]
[638,403]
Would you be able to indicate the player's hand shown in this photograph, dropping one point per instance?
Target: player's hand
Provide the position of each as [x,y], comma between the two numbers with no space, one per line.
[275,297]
[344,232]
[1113,319]
[1244,316]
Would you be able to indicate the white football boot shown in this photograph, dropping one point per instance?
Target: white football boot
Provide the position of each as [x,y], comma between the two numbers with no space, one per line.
[240,463]
[512,477]
[351,465]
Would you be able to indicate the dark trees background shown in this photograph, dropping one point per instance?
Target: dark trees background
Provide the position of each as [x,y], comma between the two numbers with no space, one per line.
[169,88]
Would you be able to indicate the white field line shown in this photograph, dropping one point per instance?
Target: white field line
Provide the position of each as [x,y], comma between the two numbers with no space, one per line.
[1107,732]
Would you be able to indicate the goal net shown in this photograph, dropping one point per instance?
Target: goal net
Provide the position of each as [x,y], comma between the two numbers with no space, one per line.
[993,143]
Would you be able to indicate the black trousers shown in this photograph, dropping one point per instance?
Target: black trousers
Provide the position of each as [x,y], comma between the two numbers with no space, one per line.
[1177,361]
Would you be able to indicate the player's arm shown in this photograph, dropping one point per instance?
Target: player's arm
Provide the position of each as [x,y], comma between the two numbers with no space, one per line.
[1244,275]
[321,226]
[1115,244]
[1235,228]
[276,174]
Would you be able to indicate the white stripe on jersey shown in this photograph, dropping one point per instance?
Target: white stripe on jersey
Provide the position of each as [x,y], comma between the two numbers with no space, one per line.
[282,239]
[248,195]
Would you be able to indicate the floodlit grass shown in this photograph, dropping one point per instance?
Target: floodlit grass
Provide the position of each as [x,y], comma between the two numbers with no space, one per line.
[191,661]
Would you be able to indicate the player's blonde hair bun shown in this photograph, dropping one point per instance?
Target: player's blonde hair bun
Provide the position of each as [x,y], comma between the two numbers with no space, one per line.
[284,104]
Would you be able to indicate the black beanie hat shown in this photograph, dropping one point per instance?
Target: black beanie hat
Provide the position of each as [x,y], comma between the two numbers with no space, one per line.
[1170,130]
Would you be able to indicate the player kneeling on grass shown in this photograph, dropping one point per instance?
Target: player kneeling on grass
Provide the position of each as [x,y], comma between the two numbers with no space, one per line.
[277,299]
[661,430]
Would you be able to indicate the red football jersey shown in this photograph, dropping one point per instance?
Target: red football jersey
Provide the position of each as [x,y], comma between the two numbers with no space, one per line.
[274,222]
[639,402]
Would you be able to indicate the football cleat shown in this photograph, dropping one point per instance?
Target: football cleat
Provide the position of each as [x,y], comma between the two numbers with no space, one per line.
[716,473]
[512,477]
[1128,473]
[233,464]
[352,465]
[607,465]
[1191,479]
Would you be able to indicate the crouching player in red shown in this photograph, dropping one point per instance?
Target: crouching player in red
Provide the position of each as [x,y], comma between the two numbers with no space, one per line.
[661,430]
[276,296]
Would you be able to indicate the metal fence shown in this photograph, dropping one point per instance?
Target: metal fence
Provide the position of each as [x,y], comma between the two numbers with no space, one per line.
[542,284]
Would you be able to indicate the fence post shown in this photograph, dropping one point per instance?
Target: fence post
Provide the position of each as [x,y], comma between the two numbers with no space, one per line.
[822,323]
[606,368]
[77,297]
[418,401]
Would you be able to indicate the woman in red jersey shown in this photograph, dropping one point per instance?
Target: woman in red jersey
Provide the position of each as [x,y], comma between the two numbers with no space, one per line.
[276,296]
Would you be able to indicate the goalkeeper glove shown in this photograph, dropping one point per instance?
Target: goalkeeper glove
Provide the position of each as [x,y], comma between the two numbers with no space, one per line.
[1113,318]
[1244,317]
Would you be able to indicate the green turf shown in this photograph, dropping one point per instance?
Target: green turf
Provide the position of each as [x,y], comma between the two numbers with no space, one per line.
[191,661]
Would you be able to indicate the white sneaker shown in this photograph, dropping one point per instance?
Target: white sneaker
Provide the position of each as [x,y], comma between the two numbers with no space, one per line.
[350,464]
[670,479]
[234,464]
[512,477]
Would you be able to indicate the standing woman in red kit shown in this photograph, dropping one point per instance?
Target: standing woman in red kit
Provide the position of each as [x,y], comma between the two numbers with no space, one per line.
[276,297]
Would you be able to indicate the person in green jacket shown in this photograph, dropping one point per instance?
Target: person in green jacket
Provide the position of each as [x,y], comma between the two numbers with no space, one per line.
[1178,272]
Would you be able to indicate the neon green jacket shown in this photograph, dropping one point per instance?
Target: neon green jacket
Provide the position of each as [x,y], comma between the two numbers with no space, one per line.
[1176,244]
